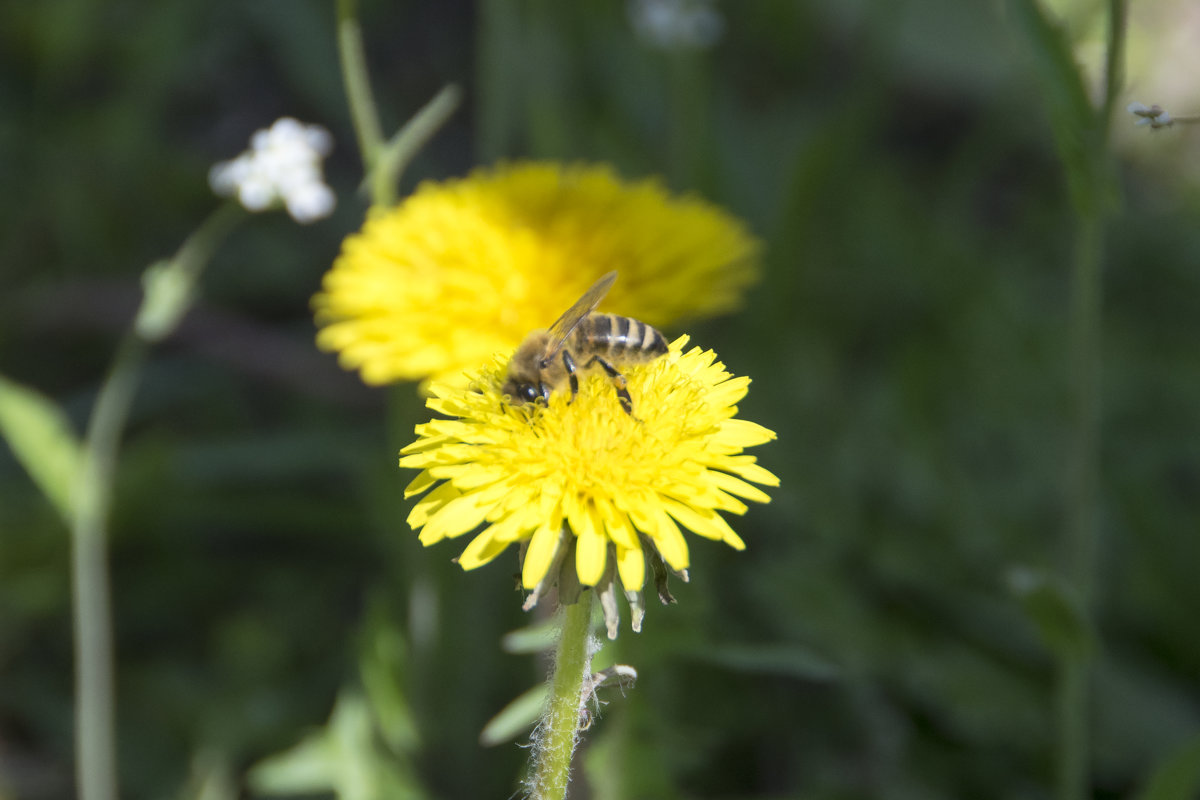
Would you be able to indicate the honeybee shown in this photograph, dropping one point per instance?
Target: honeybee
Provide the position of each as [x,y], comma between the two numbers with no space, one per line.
[578,342]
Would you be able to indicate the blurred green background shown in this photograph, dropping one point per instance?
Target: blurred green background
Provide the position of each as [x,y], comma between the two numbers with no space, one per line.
[907,341]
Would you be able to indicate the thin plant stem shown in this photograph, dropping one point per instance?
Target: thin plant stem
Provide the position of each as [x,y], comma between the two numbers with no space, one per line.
[1082,525]
[559,729]
[543,77]
[399,152]
[382,162]
[363,113]
[1073,741]
[689,137]
[497,79]
[1074,678]
[1114,61]
[1085,335]
[95,728]
[95,739]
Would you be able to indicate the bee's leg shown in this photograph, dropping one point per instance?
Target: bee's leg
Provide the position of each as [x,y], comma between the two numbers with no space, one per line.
[618,380]
[569,363]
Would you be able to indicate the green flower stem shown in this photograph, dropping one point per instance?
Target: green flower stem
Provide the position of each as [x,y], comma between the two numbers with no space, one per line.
[400,150]
[95,740]
[691,154]
[168,293]
[497,78]
[1083,471]
[382,162]
[363,113]
[1082,536]
[559,728]
[1074,678]
[1072,701]
[1114,60]
[543,76]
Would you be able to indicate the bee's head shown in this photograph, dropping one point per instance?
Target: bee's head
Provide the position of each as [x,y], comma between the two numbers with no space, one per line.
[524,383]
[521,393]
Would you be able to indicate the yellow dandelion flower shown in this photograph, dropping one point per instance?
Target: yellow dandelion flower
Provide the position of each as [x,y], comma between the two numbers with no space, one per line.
[589,492]
[465,268]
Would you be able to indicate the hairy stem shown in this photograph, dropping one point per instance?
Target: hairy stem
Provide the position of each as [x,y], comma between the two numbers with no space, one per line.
[559,729]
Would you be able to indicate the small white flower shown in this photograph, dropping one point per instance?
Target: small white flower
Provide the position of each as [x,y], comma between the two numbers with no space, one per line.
[1155,116]
[310,202]
[677,24]
[282,167]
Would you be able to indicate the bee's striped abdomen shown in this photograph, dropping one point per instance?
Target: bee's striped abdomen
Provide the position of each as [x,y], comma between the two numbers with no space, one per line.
[622,338]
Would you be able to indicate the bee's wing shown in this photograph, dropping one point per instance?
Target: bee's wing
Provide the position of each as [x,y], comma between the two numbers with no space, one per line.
[566,324]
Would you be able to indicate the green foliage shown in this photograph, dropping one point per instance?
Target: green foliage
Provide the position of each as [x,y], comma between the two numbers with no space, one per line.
[1177,777]
[515,719]
[1079,128]
[41,438]
[1055,610]
[341,758]
[907,343]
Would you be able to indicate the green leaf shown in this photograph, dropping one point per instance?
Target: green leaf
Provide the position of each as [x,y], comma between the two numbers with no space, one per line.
[536,638]
[350,731]
[381,663]
[305,768]
[42,440]
[1077,127]
[515,718]
[1177,776]
[1055,611]
[343,757]
[211,778]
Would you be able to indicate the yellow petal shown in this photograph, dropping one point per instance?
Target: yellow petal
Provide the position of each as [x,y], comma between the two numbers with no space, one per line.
[706,522]
[519,524]
[729,392]
[579,516]
[539,555]
[631,564]
[482,549]
[469,476]
[423,444]
[459,516]
[419,484]
[712,497]
[747,468]
[430,503]
[743,433]
[617,525]
[654,522]
[733,485]
[591,553]
[733,540]
[519,499]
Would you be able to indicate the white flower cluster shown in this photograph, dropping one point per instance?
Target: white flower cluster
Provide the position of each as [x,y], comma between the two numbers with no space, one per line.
[677,24]
[283,165]
[1154,116]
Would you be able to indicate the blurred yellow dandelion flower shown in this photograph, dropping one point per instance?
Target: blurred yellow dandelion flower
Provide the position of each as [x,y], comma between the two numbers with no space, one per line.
[465,268]
[588,491]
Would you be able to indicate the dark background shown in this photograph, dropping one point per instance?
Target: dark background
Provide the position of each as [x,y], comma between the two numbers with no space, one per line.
[908,343]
